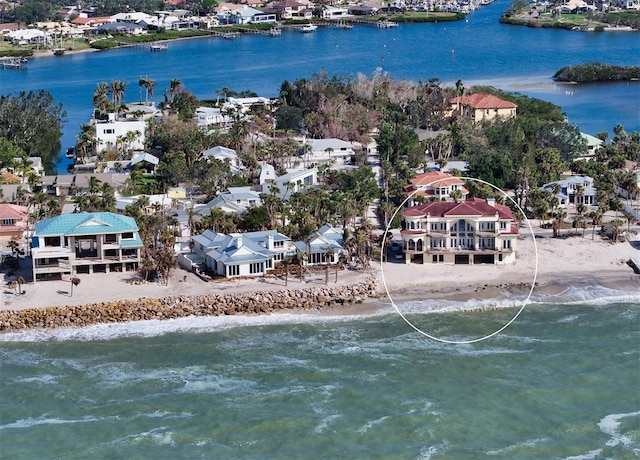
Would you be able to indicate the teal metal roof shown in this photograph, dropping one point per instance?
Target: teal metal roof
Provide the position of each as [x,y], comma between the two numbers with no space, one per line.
[85,223]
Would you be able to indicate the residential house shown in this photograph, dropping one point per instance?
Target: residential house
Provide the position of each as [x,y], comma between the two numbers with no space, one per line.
[327,151]
[435,185]
[574,190]
[124,28]
[235,200]
[29,37]
[332,12]
[114,131]
[211,116]
[247,15]
[474,231]
[291,9]
[14,220]
[244,104]
[242,254]
[72,184]
[320,243]
[85,243]
[224,154]
[293,181]
[362,10]
[480,107]
[593,145]
[145,161]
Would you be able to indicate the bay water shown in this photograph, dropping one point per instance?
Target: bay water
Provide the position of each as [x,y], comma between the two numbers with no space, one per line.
[478,50]
[563,381]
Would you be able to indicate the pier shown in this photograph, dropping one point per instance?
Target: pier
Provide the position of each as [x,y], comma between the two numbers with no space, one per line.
[14,63]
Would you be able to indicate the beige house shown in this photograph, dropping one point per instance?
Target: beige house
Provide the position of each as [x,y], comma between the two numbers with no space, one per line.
[13,221]
[434,185]
[480,107]
[474,231]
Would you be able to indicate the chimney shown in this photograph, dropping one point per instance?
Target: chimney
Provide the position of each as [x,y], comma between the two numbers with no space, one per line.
[491,202]
[270,242]
[239,242]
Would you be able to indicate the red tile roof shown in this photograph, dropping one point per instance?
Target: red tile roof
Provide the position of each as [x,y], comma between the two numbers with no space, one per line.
[473,207]
[436,179]
[484,101]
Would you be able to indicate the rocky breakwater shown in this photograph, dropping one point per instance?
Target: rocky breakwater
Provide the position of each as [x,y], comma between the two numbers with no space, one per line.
[261,302]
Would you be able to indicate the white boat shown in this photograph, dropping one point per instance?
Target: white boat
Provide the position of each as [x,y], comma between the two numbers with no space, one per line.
[387,24]
[308,28]
[344,25]
[158,47]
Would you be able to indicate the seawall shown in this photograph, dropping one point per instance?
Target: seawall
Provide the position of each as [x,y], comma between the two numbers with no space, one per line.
[147,308]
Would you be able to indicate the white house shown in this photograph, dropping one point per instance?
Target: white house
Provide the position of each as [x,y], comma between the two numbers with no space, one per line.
[224,154]
[328,151]
[569,188]
[321,242]
[331,12]
[293,181]
[235,200]
[112,131]
[593,145]
[211,116]
[242,254]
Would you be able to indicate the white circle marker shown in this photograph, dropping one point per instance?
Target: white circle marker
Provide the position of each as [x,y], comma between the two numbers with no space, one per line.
[524,304]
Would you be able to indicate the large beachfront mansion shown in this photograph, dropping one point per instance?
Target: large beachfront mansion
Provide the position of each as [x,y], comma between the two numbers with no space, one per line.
[474,231]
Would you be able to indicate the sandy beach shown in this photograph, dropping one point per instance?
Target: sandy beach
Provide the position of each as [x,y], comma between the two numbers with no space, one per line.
[569,262]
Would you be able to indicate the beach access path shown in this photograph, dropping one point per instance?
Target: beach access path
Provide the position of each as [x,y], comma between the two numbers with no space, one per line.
[563,262]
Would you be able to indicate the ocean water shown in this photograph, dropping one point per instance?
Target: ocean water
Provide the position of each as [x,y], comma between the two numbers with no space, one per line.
[477,51]
[562,382]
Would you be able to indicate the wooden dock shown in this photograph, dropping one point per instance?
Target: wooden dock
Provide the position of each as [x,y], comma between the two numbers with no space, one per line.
[13,63]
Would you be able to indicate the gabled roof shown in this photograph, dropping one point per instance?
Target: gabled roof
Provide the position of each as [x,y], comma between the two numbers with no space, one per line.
[475,207]
[139,157]
[435,179]
[484,101]
[231,251]
[12,211]
[86,223]
[220,153]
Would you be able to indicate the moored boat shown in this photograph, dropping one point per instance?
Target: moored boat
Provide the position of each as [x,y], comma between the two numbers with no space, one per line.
[308,28]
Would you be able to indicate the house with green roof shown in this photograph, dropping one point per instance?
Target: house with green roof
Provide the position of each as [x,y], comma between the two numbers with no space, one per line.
[86,242]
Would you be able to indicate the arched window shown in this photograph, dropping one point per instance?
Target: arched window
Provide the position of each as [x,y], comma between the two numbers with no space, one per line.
[419,245]
[412,245]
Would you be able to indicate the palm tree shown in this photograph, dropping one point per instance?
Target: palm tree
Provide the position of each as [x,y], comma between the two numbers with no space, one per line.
[286,262]
[100,97]
[20,281]
[596,219]
[459,93]
[117,91]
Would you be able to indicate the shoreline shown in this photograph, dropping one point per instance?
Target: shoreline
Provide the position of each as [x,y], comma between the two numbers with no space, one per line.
[566,274]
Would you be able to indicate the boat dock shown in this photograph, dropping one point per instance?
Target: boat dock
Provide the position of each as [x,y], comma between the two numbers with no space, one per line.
[13,63]
[158,47]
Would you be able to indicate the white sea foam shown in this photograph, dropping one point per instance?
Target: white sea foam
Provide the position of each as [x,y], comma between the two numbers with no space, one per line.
[591,455]
[429,451]
[192,324]
[45,420]
[518,446]
[367,426]
[610,425]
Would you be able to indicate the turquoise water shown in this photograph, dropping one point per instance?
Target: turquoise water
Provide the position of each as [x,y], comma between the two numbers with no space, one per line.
[563,381]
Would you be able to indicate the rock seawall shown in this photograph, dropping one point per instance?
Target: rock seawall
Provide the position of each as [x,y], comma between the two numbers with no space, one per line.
[260,302]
